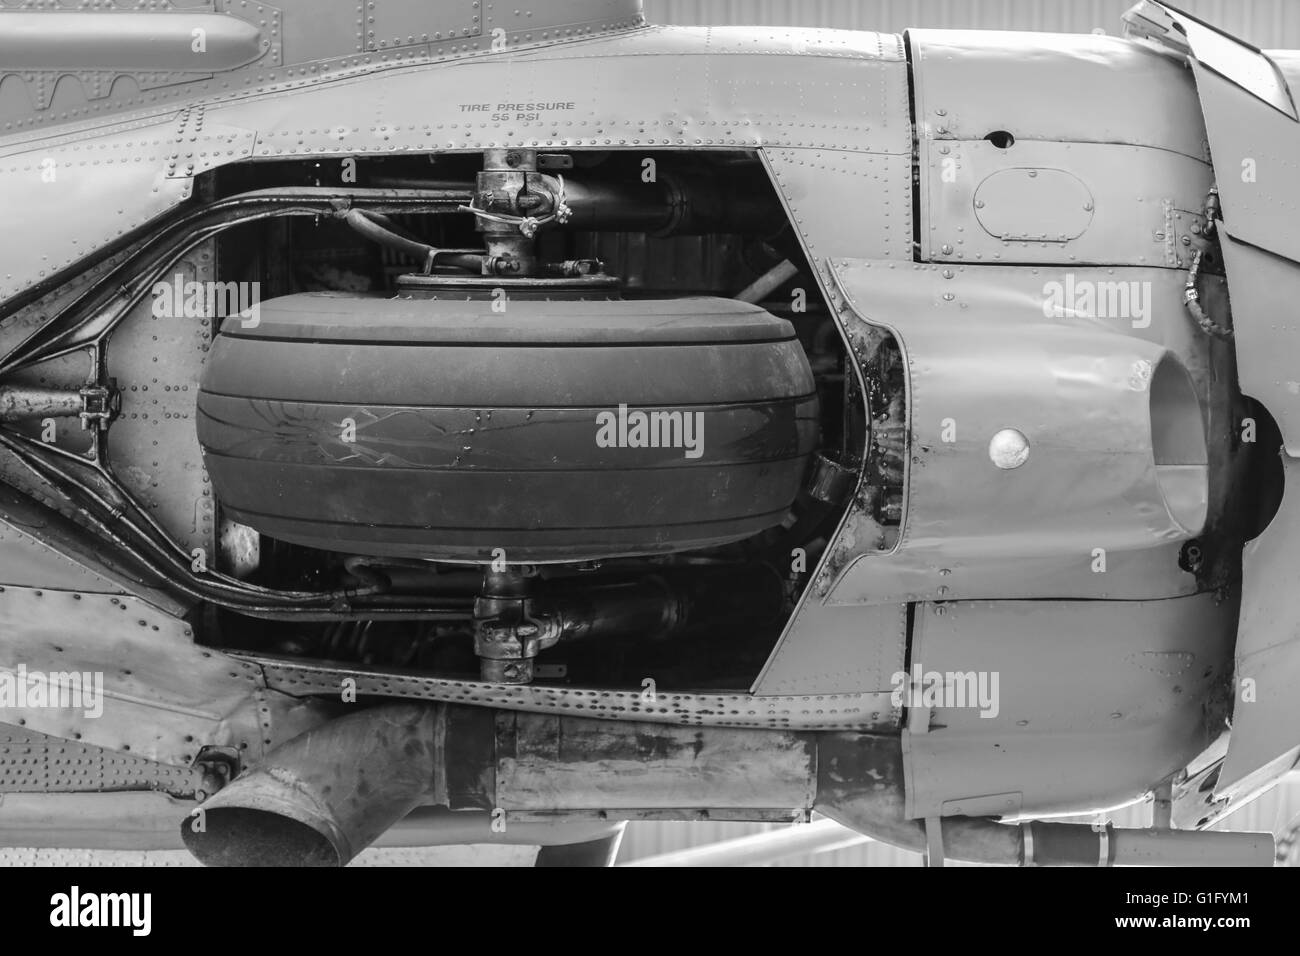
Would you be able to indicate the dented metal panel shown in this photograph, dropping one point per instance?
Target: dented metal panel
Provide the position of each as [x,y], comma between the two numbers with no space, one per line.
[983,356]
[1122,693]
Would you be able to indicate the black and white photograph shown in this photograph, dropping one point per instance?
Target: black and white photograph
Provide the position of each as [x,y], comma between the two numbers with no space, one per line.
[648,434]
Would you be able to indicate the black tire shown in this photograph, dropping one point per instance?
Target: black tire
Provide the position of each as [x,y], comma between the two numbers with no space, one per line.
[477,430]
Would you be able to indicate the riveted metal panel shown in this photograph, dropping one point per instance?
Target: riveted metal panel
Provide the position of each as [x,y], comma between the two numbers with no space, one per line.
[1134,199]
[385,24]
[959,328]
[837,650]
[32,762]
[842,203]
[76,197]
[198,145]
[152,445]
[626,93]
[1053,87]
[163,696]
[1115,691]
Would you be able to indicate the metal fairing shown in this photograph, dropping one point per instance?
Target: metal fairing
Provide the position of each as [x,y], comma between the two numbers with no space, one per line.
[1133,143]
[977,343]
[1119,691]
[1254,136]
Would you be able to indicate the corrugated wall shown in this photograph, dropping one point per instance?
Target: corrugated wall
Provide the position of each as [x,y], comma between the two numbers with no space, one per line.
[1270,24]
[1265,23]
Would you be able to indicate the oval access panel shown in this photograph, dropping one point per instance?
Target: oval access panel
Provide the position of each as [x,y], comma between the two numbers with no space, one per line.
[1043,205]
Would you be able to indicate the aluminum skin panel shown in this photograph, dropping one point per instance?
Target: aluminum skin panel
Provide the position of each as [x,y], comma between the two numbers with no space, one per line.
[1121,694]
[972,336]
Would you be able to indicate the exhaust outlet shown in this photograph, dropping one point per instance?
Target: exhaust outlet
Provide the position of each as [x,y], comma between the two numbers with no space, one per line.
[327,794]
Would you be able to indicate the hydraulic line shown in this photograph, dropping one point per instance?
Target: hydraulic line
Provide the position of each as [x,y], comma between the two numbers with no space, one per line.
[106,505]
[96,312]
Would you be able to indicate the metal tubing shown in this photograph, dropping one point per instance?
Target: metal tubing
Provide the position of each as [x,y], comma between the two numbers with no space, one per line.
[769,282]
[326,795]
[23,402]
[95,312]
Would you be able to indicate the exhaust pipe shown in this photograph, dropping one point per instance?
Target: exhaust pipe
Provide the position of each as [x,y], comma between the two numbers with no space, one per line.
[324,796]
[422,773]
[327,794]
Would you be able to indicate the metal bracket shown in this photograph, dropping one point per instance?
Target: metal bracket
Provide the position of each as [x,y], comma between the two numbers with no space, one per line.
[219,766]
[100,404]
